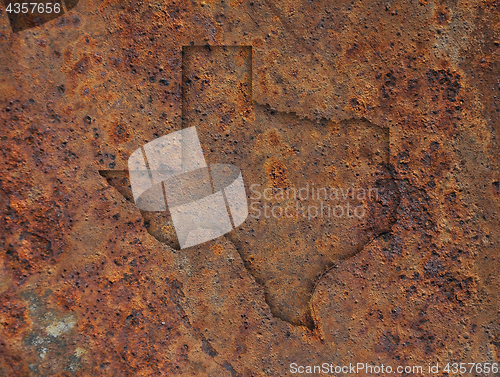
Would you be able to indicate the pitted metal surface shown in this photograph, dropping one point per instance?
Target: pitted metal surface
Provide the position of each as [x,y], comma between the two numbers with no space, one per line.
[89,285]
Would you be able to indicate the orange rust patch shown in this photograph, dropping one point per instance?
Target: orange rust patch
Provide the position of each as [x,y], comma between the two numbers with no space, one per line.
[217,249]
[13,315]
[277,174]
[273,137]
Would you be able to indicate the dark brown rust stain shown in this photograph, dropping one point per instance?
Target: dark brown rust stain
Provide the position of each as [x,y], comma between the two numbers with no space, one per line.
[442,15]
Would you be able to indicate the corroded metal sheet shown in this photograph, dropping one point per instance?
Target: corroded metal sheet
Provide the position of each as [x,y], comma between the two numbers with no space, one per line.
[303,92]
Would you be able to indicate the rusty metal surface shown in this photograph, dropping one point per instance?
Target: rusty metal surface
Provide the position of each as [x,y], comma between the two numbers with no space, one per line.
[89,285]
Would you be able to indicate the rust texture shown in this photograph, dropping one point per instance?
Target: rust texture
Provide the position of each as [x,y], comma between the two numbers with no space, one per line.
[401,96]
